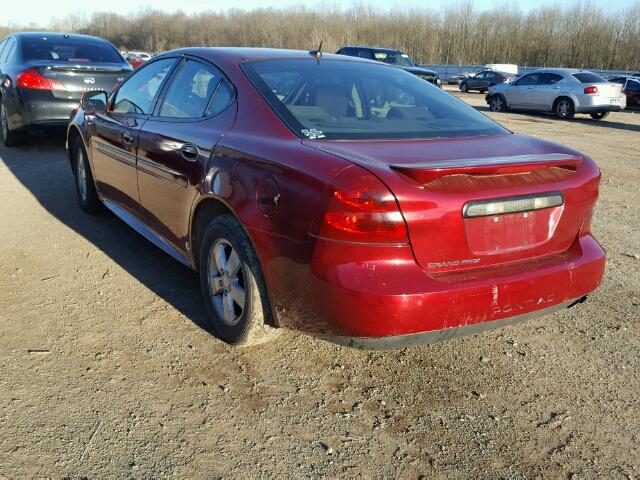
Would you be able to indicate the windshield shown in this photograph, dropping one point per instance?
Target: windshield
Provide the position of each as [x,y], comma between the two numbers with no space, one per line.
[358,100]
[393,58]
[69,51]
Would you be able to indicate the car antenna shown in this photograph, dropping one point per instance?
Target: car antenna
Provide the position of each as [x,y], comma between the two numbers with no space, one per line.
[317,53]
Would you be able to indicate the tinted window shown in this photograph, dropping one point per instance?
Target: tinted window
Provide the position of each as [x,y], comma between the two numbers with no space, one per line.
[620,80]
[393,58]
[69,50]
[551,78]
[191,91]
[348,51]
[2,45]
[531,79]
[221,98]
[365,54]
[137,94]
[588,77]
[632,86]
[9,49]
[351,100]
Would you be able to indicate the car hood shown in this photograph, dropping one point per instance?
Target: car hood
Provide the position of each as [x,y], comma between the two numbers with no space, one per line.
[420,70]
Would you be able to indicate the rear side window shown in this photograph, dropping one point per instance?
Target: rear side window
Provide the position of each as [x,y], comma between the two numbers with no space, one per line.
[588,77]
[551,78]
[137,94]
[6,49]
[69,50]
[193,90]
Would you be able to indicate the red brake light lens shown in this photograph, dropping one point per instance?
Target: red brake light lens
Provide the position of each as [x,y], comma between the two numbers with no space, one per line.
[591,90]
[33,80]
[360,208]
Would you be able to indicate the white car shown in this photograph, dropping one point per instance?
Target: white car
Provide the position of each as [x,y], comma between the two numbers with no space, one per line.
[562,91]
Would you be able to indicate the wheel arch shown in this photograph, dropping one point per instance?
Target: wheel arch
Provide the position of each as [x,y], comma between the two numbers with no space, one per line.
[204,211]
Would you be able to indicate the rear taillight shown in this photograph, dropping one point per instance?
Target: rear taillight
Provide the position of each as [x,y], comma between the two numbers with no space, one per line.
[33,80]
[504,79]
[360,208]
[591,90]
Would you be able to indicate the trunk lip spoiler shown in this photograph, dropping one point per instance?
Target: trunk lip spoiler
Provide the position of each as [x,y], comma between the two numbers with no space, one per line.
[451,164]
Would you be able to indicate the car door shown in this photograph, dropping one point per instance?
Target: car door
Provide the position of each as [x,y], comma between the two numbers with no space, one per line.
[547,90]
[521,93]
[115,134]
[632,91]
[176,144]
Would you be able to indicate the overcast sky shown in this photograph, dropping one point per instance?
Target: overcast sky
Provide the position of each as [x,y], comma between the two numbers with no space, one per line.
[42,11]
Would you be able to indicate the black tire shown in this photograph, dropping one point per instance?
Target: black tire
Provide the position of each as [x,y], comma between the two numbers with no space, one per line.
[483,90]
[497,103]
[464,88]
[85,187]
[599,115]
[564,108]
[252,322]
[10,138]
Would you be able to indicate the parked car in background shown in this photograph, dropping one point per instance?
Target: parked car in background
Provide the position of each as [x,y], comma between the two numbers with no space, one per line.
[564,92]
[484,79]
[511,68]
[337,196]
[136,59]
[631,89]
[43,76]
[392,57]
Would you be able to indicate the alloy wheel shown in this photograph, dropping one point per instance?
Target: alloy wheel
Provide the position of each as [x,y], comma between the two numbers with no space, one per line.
[497,104]
[564,108]
[226,282]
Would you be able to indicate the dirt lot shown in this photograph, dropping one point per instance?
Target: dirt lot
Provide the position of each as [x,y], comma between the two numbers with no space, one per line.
[106,371]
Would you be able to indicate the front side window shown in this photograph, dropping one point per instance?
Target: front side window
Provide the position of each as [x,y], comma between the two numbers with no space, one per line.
[354,100]
[191,91]
[137,94]
[531,79]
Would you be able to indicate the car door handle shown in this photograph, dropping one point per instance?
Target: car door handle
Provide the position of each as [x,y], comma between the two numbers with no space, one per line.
[127,139]
[189,152]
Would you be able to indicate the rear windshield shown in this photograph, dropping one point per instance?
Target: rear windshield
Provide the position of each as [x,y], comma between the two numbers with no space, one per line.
[69,51]
[588,77]
[357,100]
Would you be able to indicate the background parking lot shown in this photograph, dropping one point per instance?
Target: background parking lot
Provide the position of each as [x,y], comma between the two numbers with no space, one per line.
[106,370]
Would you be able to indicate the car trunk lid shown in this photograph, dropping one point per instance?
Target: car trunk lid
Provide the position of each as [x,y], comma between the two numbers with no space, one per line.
[71,80]
[484,201]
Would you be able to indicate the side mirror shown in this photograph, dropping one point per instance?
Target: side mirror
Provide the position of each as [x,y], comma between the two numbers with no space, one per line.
[94,102]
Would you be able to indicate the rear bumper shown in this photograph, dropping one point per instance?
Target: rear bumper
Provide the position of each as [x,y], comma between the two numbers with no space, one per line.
[413,339]
[39,109]
[595,103]
[371,297]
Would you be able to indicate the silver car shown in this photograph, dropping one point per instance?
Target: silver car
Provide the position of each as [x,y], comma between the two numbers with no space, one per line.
[562,91]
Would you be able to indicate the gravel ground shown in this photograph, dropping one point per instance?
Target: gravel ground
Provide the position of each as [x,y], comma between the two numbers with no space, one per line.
[107,372]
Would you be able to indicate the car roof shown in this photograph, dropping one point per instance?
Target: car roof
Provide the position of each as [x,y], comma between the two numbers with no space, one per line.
[55,35]
[242,54]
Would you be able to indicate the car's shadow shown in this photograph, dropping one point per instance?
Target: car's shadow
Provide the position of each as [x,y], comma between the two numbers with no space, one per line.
[535,116]
[43,168]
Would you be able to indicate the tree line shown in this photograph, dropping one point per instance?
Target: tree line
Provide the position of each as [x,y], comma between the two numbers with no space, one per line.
[579,35]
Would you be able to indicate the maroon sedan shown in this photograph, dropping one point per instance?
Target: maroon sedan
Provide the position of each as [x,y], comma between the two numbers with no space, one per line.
[337,196]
